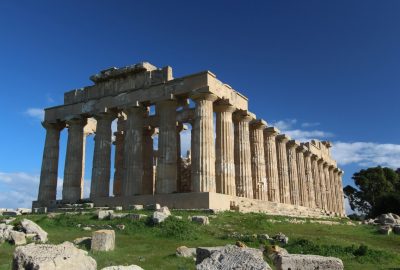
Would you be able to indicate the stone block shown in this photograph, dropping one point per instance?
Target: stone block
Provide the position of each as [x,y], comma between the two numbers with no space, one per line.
[203,220]
[385,229]
[137,216]
[136,207]
[153,206]
[120,267]
[46,257]
[159,217]
[17,238]
[118,208]
[31,227]
[104,214]
[307,262]
[118,215]
[185,252]
[103,240]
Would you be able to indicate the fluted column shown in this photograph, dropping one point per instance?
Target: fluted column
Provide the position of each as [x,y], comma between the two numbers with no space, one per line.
[225,162]
[293,174]
[203,146]
[283,170]
[100,184]
[327,187]
[74,161]
[341,201]
[271,162]
[337,191]
[166,181]
[133,156]
[333,189]
[303,194]
[309,179]
[243,178]
[258,159]
[119,155]
[148,170]
[49,171]
[322,184]
[317,181]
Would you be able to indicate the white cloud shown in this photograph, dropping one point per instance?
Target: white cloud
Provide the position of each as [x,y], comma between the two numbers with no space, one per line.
[347,207]
[35,113]
[367,154]
[306,124]
[284,124]
[18,189]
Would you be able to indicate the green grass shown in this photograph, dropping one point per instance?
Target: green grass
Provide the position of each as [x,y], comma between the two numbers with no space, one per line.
[153,246]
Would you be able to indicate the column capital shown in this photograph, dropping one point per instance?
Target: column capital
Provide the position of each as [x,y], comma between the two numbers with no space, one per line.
[314,157]
[308,153]
[283,138]
[326,164]
[203,95]
[271,131]
[258,124]
[336,170]
[109,115]
[341,172]
[301,149]
[243,115]
[331,167]
[181,126]
[223,105]
[293,143]
[56,126]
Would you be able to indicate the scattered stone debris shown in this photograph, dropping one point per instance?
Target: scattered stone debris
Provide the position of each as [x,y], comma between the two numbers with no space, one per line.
[31,227]
[118,215]
[118,208]
[281,238]
[17,238]
[137,216]
[120,227]
[42,257]
[103,240]
[87,228]
[153,206]
[233,257]
[386,229]
[161,215]
[203,220]
[185,252]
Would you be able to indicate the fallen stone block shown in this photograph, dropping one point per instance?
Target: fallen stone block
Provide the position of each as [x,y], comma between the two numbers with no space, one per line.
[137,216]
[233,257]
[153,206]
[104,214]
[205,252]
[120,267]
[83,241]
[24,211]
[281,238]
[203,220]
[118,208]
[47,257]
[17,238]
[307,262]
[159,217]
[185,252]
[118,215]
[31,227]
[136,207]
[103,240]
[11,213]
[385,229]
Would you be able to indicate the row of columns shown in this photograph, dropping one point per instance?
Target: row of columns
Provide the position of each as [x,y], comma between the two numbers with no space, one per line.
[245,159]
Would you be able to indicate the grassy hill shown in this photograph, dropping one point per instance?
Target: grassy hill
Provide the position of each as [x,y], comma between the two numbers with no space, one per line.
[153,247]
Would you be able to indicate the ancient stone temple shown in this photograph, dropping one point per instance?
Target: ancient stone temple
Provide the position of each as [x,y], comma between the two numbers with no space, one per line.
[236,160]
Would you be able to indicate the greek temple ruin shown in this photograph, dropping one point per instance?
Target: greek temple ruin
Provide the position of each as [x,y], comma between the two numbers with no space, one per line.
[236,160]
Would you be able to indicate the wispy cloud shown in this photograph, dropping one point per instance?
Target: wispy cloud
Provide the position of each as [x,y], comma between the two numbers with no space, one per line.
[367,154]
[18,189]
[35,113]
[288,126]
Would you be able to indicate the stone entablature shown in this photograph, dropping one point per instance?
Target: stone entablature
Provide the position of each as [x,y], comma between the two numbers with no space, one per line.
[246,158]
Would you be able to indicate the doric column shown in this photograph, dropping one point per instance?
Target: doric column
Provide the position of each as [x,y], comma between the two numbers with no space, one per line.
[258,159]
[244,183]
[166,181]
[283,170]
[225,161]
[100,184]
[337,191]
[317,181]
[203,154]
[293,174]
[341,201]
[309,179]
[119,155]
[133,156]
[322,183]
[303,194]
[333,189]
[327,187]
[148,170]
[74,161]
[49,172]
[271,162]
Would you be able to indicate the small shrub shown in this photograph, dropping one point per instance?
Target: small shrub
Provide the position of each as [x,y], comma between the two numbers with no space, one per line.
[178,229]
[362,250]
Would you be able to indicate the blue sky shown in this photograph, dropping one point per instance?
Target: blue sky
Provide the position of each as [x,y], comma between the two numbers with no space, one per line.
[316,69]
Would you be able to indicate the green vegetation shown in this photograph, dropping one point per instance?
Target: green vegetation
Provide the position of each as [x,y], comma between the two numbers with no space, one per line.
[376,191]
[153,246]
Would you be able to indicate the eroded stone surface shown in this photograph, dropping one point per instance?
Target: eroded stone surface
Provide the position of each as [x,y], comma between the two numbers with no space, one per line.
[31,227]
[103,240]
[307,262]
[49,257]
